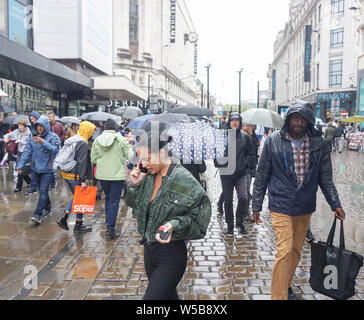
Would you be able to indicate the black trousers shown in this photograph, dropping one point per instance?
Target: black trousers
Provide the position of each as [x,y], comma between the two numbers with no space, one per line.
[165,265]
[241,185]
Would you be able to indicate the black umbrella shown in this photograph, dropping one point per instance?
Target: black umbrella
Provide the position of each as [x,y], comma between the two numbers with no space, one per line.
[13,120]
[193,111]
[99,116]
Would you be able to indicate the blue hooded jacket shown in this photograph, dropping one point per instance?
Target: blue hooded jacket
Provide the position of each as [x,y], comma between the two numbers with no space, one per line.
[33,127]
[41,155]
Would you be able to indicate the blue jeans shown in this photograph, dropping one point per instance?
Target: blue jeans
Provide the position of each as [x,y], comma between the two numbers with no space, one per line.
[112,191]
[33,183]
[72,186]
[43,181]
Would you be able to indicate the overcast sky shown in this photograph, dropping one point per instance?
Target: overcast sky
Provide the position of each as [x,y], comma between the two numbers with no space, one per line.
[236,34]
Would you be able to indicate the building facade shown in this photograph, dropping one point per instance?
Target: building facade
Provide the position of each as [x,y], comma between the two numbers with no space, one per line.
[360,109]
[32,81]
[315,58]
[156,48]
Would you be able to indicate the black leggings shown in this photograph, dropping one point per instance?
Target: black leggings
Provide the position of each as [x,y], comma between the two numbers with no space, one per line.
[165,265]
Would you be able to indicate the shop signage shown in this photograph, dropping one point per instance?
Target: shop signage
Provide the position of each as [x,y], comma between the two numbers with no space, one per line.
[139,104]
[173,22]
[195,60]
[308,50]
[345,96]
[274,74]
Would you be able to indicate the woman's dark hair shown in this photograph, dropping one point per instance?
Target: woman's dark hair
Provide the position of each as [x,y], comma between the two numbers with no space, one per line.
[150,137]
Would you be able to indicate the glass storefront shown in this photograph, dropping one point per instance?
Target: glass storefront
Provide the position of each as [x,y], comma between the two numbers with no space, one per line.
[361,97]
[25,99]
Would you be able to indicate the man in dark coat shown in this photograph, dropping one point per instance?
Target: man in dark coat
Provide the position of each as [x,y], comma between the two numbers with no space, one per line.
[235,174]
[294,163]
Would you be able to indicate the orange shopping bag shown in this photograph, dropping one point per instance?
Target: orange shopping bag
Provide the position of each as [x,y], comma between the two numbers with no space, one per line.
[84,200]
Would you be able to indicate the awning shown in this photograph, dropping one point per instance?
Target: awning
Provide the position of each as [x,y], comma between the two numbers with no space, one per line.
[118,88]
[25,66]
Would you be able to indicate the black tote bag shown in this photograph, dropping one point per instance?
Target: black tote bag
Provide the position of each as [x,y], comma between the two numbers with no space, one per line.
[334,270]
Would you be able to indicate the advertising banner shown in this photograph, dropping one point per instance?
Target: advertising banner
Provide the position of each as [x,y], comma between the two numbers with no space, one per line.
[173,21]
[308,53]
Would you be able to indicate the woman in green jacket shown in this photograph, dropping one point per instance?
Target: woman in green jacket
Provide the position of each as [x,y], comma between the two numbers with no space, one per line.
[166,197]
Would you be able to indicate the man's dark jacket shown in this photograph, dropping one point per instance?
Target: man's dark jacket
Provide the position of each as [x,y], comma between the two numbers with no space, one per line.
[244,156]
[276,171]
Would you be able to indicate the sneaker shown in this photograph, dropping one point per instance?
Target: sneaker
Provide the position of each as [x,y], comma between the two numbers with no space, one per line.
[309,236]
[36,220]
[80,228]
[229,233]
[249,219]
[16,190]
[242,230]
[29,192]
[63,222]
[291,294]
[112,234]
[46,213]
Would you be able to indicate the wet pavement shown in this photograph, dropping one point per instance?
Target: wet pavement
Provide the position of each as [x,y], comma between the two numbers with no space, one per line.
[89,267]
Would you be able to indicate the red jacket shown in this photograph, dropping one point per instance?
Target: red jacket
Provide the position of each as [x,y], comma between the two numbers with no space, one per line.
[59,130]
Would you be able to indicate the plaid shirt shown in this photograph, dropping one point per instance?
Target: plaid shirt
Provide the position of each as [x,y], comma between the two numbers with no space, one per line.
[301,158]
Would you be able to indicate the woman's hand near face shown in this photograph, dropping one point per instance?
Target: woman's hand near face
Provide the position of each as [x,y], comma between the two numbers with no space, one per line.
[136,176]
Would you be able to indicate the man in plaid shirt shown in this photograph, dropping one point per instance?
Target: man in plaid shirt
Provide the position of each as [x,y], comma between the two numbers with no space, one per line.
[294,163]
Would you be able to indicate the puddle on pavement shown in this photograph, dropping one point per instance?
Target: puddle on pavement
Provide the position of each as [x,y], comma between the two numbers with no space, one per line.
[86,268]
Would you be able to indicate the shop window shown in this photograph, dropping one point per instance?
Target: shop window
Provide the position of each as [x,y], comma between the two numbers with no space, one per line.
[361,97]
[336,73]
[337,38]
[337,6]
[17,16]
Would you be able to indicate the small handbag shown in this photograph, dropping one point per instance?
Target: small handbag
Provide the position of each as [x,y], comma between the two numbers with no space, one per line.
[11,148]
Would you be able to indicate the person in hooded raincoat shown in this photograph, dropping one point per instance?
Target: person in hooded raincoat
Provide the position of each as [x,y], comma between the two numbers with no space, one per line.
[295,161]
[41,152]
[79,174]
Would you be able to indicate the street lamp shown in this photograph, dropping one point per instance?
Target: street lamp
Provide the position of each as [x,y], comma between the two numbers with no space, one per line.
[240,71]
[208,66]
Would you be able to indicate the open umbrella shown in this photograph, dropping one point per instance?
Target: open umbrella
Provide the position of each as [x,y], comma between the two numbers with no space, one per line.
[6,109]
[194,142]
[263,117]
[119,111]
[167,118]
[70,120]
[13,120]
[100,116]
[138,123]
[193,111]
[132,113]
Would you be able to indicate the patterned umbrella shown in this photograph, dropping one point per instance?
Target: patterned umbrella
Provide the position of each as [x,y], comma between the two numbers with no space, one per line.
[194,142]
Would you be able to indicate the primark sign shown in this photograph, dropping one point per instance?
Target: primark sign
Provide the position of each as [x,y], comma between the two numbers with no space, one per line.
[345,96]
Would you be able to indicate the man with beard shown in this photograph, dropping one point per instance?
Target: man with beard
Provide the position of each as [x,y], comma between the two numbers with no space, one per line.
[294,163]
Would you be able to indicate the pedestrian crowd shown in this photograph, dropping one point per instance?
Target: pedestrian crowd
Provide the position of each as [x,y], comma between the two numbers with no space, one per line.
[168,197]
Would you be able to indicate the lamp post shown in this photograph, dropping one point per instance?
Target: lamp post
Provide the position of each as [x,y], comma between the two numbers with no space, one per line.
[208,66]
[240,71]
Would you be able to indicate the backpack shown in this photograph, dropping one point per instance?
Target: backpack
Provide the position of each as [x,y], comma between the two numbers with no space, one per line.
[65,160]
